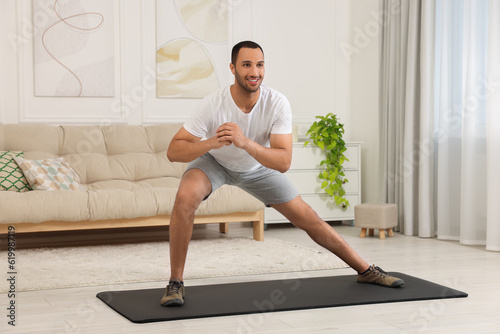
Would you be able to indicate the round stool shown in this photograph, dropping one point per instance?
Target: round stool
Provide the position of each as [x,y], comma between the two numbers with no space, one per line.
[376,216]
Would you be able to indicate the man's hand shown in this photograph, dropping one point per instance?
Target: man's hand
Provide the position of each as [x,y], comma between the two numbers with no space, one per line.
[185,147]
[216,143]
[278,156]
[231,132]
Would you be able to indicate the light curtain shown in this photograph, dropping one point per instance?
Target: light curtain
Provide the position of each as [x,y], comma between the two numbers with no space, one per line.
[440,123]
[461,129]
[406,118]
[493,129]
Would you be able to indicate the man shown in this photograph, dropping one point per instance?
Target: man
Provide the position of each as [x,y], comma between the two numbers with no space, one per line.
[248,143]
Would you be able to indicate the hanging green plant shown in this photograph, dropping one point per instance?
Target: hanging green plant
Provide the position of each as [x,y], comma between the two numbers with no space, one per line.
[327,134]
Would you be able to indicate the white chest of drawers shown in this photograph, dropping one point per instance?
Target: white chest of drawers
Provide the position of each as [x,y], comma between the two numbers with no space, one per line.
[304,173]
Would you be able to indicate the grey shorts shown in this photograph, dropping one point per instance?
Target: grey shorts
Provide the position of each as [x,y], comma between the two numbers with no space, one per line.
[267,185]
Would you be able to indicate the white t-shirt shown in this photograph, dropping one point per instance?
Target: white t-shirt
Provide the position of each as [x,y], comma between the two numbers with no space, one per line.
[270,115]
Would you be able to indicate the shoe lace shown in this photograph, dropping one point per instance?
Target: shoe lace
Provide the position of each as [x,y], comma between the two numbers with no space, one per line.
[380,271]
[173,288]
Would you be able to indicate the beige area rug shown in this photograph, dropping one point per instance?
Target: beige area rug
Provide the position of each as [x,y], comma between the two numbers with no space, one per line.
[52,268]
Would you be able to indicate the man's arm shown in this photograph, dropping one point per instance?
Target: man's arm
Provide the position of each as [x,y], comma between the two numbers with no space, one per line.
[186,147]
[278,156]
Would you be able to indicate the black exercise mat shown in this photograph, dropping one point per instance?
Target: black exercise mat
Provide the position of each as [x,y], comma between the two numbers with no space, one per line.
[142,306]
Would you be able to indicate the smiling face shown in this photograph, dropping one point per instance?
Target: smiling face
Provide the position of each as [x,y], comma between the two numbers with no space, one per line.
[249,69]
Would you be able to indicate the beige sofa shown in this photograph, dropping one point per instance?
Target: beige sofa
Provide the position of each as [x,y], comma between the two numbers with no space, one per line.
[127,179]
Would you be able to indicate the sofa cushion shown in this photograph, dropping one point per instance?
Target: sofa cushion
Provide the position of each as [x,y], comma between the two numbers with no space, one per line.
[125,199]
[11,176]
[229,199]
[97,153]
[160,182]
[120,152]
[40,206]
[49,174]
[37,141]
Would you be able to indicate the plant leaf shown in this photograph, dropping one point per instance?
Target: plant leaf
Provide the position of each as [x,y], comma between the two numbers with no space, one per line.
[331,146]
[326,133]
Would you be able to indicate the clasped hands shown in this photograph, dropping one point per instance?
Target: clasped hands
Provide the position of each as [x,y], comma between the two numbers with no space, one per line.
[230,133]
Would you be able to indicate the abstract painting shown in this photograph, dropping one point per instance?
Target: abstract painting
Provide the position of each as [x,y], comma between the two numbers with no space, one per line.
[205,19]
[73,48]
[192,41]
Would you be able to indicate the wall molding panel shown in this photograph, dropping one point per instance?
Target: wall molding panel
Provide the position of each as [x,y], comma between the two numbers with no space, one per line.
[293,60]
[33,109]
[161,110]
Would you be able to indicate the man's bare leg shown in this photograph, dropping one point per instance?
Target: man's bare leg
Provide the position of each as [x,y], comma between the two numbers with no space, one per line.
[304,217]
[194,187]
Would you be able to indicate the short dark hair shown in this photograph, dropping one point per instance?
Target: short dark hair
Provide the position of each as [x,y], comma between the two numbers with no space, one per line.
[240,45]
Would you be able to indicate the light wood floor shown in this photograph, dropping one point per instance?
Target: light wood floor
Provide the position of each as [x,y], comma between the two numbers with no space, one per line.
[470,269]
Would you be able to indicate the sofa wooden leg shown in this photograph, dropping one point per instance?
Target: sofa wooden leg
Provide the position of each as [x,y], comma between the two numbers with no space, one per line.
[258,230]
[224,227]
[389,232]
[363,233]
[381,233]
[258,227]
[371,232]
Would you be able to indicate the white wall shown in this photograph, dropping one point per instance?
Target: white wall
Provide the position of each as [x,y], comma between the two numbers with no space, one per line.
[299,40]
[304,59]
[364,106]
[8,63]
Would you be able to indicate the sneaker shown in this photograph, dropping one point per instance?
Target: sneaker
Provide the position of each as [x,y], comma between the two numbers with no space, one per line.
[174,294]
[375,275]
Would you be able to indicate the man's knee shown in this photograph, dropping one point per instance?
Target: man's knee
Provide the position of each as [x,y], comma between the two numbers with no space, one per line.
[188,199]
[193,189]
